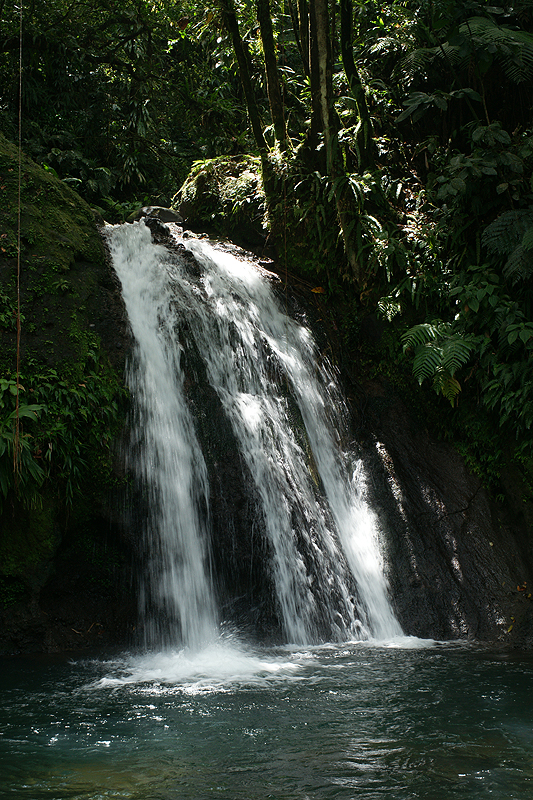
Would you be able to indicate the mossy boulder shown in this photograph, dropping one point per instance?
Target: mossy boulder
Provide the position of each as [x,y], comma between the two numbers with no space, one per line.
[225,195]
[70,393]
[66,286]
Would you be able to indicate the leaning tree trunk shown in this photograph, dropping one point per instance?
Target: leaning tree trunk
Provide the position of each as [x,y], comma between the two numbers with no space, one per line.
[272,76]
[243,59]
[322,98]
[364,138]
[316,126]
[303,18]
[300,27]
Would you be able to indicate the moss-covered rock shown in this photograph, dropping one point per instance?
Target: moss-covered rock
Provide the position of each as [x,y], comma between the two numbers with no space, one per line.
[225,195]
[28,539]
[66,287]
[71,397]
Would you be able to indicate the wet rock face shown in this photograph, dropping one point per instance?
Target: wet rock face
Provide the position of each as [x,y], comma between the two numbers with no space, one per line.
[458,563]
[454,558]
[239,551]
[455,562]
[151,213]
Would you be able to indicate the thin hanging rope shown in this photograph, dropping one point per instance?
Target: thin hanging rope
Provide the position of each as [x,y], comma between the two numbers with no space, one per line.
[16,438]
[284,167]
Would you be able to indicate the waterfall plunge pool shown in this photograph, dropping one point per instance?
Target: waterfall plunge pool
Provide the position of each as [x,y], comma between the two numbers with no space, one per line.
[383,717]
[405,719]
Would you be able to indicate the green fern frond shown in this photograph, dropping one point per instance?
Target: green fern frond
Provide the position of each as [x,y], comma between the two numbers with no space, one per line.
[416,63]
[427,361]
[455,353]
[386,44]
[511,49]
[425,332]
[519,265]
[527,239]
[439,353]
[448,386]
[503,235]
[514,49]
[450,52]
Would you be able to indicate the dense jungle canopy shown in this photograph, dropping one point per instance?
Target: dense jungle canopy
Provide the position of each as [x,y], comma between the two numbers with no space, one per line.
[395,145]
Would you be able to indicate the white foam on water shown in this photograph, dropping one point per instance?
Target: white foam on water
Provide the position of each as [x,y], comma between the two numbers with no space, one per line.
[220,665]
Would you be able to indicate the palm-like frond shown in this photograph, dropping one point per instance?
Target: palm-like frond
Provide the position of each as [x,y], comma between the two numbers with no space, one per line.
[428,359]
[512,49]
[519,265]
[439,353]
[506,232]
[425,332]
[511,235]
[456,351]
[448,386]
[417,62]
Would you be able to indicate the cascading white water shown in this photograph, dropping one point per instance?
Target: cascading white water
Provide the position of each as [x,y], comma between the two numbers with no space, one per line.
[166,454]
[286,413]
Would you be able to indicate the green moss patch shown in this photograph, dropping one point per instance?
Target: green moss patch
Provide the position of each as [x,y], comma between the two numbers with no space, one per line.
[28,538]
[71,394]
[226,195]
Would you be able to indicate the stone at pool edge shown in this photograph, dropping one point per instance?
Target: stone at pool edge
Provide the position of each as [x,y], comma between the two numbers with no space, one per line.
[156,212]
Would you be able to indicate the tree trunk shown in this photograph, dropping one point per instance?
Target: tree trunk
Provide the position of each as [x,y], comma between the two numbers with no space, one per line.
[303,45]
[346,211]
[324,85]
[272,76]
[316,126]
[243,60]
[364,138]
[303,17]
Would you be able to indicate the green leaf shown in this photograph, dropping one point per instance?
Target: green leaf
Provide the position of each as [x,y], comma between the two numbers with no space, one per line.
[500,135]
[440,102]
[428,358]
[458,184]
[406,113]
[527,239]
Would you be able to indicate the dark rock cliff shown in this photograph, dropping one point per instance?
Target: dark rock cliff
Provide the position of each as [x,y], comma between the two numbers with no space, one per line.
[65,568]
[460,564]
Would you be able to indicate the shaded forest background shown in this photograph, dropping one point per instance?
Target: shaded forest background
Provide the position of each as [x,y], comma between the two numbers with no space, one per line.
[384,149]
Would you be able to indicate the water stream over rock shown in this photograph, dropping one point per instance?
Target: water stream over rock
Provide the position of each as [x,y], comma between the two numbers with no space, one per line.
[200,314]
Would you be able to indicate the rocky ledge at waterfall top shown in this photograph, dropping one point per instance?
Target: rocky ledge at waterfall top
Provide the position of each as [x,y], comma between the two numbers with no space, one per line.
[460,564]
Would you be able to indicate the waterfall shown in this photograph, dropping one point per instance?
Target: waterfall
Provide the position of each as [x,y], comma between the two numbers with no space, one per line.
[287,417]
[165,453]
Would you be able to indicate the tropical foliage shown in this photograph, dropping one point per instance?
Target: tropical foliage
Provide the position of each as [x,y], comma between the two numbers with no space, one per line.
[59,437]
[395,141]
